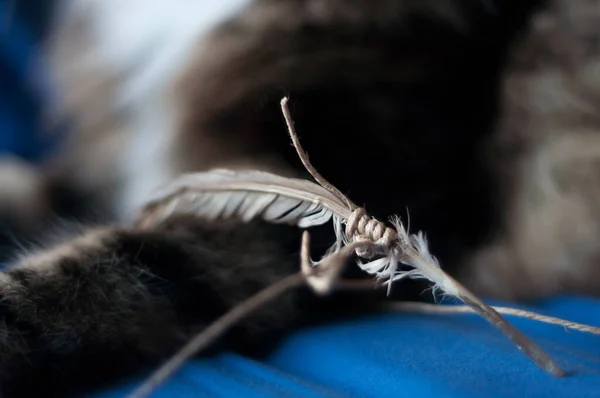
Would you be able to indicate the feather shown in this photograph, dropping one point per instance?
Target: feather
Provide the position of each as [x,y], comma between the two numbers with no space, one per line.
[248,194]
[245,194]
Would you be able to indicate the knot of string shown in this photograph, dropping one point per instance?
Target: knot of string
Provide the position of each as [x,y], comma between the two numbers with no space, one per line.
[361,227]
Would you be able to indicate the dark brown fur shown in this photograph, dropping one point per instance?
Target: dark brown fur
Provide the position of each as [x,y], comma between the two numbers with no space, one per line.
[136,296]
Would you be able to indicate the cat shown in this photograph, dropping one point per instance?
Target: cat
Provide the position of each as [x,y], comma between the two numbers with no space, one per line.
[476,116]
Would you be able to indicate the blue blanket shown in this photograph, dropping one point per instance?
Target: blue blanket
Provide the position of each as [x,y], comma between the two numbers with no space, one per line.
[405,355]
[385,355]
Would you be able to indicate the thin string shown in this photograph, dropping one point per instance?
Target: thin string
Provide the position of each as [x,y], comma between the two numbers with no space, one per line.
[428,308]
[216,330]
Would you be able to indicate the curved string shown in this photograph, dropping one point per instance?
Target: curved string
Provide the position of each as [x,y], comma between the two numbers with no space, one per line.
[428,308]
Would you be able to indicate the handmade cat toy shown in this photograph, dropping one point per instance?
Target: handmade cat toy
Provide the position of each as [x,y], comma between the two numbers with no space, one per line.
[380,248]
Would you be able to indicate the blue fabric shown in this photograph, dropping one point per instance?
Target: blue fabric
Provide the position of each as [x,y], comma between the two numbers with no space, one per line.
[405,355]
[393,355]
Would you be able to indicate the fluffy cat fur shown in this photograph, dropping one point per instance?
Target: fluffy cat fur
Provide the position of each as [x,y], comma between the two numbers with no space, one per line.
[477,116]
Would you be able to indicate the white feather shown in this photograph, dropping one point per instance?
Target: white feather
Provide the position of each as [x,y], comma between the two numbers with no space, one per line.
[248,194]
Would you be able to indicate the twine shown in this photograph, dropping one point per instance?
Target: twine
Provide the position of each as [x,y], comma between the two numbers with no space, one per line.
[427,308]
